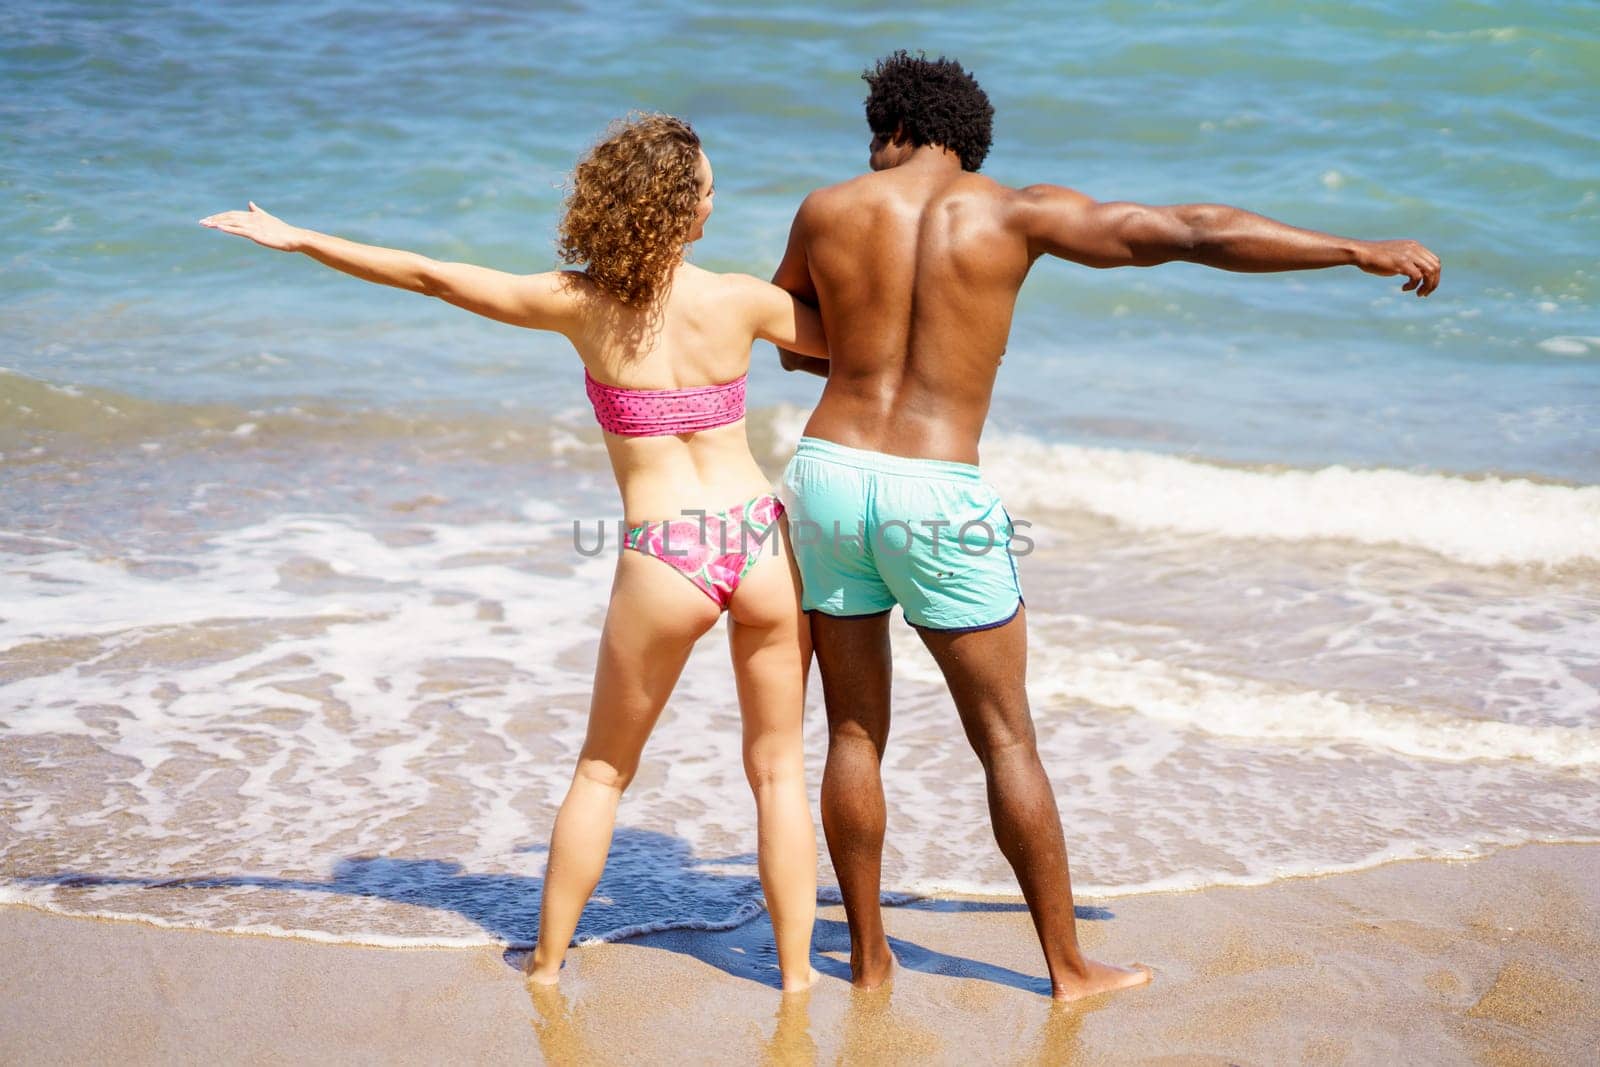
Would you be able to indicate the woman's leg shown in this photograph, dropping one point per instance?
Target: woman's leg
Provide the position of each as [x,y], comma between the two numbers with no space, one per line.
[771,647]
[652,621]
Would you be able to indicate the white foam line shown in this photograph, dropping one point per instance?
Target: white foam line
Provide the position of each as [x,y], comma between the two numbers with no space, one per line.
[1201,880]
[741,915]
[1244,707]
[36,538]
[1229,706]
[1481,521]
[18,896]
[13,896]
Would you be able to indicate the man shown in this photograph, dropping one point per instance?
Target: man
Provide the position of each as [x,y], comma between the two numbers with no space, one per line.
[915,268]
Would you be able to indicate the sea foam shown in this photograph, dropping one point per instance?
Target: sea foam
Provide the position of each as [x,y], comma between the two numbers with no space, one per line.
[1484,521]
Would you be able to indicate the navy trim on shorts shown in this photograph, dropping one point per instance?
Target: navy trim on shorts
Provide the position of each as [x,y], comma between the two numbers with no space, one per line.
[863,615]
[970,629]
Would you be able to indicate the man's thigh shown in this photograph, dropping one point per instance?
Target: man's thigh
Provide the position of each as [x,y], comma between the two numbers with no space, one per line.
[986,671]
[853,658]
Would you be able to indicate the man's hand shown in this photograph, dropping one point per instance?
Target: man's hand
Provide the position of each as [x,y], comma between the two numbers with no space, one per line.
[1388,258]
[266,230]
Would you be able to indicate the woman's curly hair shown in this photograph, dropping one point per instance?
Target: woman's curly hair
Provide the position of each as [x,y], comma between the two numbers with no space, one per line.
[933,101]
[631,206]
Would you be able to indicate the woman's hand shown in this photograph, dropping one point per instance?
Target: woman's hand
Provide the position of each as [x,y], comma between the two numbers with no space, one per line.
[549,301]
[266,230]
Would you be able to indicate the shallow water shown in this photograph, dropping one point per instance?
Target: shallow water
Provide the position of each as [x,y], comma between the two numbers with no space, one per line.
[293,634]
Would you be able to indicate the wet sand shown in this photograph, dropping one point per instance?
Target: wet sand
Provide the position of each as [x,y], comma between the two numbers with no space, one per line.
[1492,960]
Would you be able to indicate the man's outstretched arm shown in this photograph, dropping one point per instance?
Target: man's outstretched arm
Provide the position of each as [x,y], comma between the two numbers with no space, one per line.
[794,277]
[1065,223]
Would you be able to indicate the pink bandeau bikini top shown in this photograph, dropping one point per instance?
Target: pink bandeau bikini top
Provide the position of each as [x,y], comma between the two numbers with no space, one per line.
[656,412]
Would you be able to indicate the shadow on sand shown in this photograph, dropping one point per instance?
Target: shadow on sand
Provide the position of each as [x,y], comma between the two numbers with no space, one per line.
[654,888]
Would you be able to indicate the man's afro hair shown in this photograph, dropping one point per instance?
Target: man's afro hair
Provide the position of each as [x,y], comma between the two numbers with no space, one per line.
[933,101]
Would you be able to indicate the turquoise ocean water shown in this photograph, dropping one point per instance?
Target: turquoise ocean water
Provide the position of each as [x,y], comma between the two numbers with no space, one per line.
[288,606]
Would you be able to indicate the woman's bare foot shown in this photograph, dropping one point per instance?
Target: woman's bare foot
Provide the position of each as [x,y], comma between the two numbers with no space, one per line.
[802,986]
[870,968]
[1099,978]
[541,971]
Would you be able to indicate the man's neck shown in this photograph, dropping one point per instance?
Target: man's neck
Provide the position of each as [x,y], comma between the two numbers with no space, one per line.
[931,157]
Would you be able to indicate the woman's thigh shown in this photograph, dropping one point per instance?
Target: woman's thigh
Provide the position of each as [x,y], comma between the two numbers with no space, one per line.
[770,642]
[652,622]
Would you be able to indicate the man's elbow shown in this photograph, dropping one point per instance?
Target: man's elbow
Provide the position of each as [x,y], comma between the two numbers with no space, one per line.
[1151,236]
[1197,230]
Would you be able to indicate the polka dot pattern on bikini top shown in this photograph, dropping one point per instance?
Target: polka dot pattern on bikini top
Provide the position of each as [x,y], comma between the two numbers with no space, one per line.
[656,412]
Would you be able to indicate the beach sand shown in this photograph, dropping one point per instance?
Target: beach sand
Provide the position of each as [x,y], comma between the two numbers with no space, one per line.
[1489,960]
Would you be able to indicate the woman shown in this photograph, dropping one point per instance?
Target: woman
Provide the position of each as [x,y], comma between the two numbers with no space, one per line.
[665,348]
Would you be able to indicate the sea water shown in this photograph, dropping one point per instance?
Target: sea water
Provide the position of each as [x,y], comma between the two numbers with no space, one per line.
[295,635]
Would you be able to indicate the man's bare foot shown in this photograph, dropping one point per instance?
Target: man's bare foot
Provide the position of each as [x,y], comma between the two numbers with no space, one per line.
[802,986]
[1099,978]
[870,968]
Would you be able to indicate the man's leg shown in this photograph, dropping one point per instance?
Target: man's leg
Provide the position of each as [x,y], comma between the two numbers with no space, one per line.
[986,671]
[853,656]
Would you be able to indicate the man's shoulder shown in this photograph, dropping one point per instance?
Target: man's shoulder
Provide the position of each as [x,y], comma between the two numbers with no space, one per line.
[981,185]
[825,210]
[1009,207]
[1027,208]
[839,196]
[1046,195]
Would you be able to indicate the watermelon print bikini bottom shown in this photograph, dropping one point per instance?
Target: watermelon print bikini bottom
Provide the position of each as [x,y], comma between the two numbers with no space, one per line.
[714,551]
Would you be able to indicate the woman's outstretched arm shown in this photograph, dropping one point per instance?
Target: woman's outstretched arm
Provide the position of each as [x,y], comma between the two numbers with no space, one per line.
[548,301]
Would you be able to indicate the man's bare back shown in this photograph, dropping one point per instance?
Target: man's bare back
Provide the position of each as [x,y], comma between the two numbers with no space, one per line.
[917,270]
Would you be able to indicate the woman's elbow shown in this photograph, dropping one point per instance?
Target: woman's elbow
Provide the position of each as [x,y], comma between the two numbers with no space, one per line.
[789,359]
[432,278]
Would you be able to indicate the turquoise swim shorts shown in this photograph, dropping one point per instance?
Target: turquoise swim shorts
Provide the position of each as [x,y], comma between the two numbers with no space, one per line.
[871,530]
